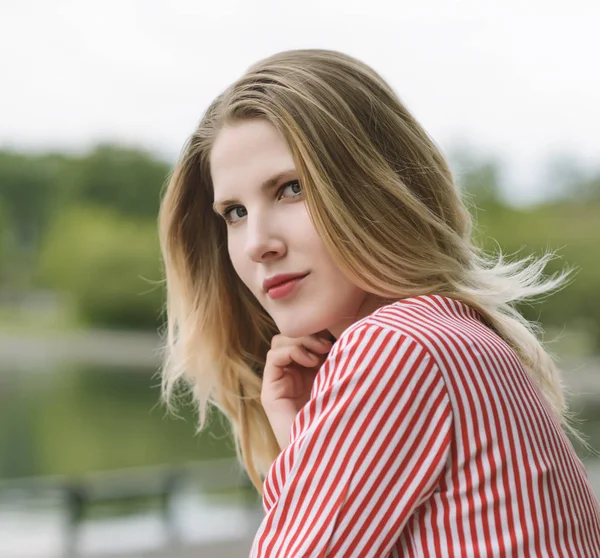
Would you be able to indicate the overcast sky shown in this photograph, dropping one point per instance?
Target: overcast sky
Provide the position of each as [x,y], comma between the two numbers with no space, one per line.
[518,80]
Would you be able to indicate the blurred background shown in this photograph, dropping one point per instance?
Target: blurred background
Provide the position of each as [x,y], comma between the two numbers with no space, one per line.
[97,99]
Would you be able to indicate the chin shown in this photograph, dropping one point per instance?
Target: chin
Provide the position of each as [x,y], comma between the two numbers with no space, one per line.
[295,328]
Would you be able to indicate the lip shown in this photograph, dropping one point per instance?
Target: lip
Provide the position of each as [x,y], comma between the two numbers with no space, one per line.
[271,282]
[285,289]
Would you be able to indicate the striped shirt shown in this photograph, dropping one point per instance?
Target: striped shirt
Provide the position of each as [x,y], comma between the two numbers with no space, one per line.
[425,436]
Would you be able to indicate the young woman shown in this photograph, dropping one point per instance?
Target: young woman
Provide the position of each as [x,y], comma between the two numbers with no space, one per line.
[325,294]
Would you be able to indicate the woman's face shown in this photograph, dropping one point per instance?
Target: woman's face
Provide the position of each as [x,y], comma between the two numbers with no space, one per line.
[270,233]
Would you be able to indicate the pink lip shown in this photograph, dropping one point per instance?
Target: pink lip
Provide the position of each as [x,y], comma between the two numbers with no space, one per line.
[284,289]
[281,278]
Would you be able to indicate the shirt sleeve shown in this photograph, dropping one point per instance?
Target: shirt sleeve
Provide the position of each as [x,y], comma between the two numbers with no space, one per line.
[372,449]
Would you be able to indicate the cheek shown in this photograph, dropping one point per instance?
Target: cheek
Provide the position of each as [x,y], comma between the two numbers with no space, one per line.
[312,244]
[303,230]
[237,260]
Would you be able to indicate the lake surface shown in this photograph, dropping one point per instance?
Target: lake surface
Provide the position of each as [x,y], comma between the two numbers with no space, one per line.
[87,418]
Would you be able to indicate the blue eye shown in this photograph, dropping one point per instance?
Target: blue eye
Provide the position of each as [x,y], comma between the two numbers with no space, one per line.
[227,213]
[292,183]
[229,210]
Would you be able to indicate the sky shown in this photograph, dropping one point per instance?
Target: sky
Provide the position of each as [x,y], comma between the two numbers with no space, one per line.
[516,81]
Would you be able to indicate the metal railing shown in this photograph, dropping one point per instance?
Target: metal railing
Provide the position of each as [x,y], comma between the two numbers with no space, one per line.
[157,484]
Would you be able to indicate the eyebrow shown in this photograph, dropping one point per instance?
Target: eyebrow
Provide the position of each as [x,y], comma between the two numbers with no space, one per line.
[266,185]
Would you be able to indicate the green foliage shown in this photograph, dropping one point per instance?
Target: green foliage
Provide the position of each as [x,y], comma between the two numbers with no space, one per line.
[569,230]
[27,188]
[571,182]
[35,187]
[3,242]
[86,224]
[9,257]
[480,180]
[107,263]
[127,180]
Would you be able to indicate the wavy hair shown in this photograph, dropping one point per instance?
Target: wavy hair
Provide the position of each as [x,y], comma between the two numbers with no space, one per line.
[386,206]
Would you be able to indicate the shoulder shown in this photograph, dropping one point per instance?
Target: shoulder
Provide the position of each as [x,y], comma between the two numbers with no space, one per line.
[416,317]
[386,340]
[437,325]
[376,356]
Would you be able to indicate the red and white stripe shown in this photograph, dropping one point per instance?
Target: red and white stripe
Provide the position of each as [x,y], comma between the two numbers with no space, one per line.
[425,436]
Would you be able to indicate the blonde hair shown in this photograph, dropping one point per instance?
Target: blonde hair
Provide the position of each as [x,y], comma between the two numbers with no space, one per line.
[385,204]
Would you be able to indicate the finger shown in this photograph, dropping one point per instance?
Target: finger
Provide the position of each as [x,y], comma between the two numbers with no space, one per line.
[285,356]
[326,334]
[314,343]
[279,357]
[317,344]
[304,357]
[279,340]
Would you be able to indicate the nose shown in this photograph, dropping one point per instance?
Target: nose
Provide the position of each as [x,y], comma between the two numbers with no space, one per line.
[264,240]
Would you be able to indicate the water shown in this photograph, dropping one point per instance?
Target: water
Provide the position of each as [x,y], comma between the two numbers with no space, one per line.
[76,419]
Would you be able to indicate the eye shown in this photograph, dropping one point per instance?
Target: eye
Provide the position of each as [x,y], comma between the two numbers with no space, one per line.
[227,213]
[292,183]
[230,212]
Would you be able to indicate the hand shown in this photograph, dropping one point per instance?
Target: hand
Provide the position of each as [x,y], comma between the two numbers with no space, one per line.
[290,370]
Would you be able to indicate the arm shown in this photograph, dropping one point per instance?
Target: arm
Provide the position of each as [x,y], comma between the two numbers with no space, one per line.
[373,450]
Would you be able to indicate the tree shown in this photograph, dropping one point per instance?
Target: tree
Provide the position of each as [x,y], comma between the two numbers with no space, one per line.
[108,264]
[480,179]
[127,180]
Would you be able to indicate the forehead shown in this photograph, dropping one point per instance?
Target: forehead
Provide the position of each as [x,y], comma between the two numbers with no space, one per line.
[250,150]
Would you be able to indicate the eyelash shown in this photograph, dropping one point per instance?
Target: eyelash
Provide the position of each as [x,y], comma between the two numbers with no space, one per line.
[229,209]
